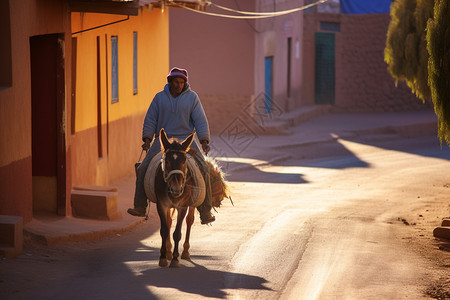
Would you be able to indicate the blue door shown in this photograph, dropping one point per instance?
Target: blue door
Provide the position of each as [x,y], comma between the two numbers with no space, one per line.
[268,84]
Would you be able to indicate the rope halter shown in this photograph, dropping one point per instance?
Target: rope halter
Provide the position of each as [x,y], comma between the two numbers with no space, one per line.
[167,176]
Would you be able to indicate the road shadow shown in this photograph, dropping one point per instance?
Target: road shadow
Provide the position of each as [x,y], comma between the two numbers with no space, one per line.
[310,155]
[427,146]
[248,172]
[195,279]
[330,154]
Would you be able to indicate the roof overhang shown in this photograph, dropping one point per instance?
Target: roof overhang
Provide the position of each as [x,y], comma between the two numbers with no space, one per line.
[193,4]
[131,7]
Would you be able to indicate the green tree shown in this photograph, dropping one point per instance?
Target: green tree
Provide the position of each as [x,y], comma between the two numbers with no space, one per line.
[438,38]
[406,50]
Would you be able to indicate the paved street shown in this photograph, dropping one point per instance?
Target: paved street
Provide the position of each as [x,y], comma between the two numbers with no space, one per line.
[345,218]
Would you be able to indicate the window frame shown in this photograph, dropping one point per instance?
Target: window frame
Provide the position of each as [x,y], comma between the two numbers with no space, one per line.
[135,62]
[114,69]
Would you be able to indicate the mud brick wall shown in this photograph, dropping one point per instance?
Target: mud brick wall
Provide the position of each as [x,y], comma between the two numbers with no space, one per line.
[362,82]
[224,111]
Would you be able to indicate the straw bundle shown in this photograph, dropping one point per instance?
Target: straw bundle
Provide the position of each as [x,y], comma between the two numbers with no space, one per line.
[219,186]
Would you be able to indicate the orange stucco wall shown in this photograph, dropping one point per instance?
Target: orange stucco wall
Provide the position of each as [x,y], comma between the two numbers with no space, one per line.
[121,122]
[27,18]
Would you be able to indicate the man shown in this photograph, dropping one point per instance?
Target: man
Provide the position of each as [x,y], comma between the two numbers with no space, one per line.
[178,110]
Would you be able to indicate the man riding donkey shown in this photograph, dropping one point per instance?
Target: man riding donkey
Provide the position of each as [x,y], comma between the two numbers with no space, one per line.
[177,110]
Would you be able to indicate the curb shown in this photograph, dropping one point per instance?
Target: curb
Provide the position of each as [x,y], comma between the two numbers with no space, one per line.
[418,129]
[443,231]
[50,239]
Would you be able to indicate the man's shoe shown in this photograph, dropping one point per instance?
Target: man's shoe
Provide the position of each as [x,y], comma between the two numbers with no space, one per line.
[137,211]
[207,217]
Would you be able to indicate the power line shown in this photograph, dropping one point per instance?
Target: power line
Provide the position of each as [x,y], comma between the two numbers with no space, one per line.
[251,15]
[249,23]
[270,14]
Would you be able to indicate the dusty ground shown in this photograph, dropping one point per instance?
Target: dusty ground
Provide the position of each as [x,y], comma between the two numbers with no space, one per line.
[417,234]
[415,230]
[414,225]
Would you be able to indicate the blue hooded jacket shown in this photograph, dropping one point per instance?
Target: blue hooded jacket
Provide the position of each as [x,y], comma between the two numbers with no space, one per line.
[178,116]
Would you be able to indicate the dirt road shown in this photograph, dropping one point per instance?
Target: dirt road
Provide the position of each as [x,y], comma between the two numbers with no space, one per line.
[350,219]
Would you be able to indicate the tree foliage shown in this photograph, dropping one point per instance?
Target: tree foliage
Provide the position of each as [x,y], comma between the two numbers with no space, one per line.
[438,38]
[406,49]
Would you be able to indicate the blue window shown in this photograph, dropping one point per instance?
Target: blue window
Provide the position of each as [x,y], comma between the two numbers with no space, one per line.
[114,70]
[135,53]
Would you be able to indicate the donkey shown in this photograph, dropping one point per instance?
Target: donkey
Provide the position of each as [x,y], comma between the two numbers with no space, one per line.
[173,190]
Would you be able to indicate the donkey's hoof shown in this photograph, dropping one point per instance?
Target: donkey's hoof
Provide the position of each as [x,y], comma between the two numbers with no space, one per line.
[169,255]
[174,264]
[163,262]
[185,255]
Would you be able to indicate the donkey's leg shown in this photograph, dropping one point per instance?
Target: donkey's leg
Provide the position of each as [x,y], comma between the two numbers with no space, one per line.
[169,216]
[189,222]
[164,231]
[177,236]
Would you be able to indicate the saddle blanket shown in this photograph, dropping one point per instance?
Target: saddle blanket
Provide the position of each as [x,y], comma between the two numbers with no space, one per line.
[198,190]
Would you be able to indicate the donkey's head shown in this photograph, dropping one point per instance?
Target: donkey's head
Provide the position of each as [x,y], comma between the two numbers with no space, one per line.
[173,162]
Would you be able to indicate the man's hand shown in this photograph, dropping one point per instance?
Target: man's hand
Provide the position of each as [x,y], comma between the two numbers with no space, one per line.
[146,144]
[205,146]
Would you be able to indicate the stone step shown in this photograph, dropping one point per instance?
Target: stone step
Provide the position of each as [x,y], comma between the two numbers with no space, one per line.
[95,203]
[276,128]
[11,236]
[8,252]
[282,124]
[442,232]
[96,188]
[304,114]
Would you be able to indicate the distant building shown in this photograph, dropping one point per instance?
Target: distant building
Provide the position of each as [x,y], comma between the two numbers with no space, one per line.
[344,59]
[240,68]
[249,72]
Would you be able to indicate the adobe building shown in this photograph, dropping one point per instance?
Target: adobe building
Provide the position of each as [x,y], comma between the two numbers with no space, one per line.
[255,71]
[36,51]
[343,55]
[241,68]
[75,83]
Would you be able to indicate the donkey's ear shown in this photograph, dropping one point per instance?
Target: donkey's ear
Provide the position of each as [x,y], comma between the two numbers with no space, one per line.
[186,144]
[163,140]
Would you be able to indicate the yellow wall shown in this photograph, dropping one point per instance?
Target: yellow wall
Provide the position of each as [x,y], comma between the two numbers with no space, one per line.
[153,64]
[122,121]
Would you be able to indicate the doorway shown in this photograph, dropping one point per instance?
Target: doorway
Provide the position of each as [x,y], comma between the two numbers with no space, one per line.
[325,68]
[268,66]
[48,130]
